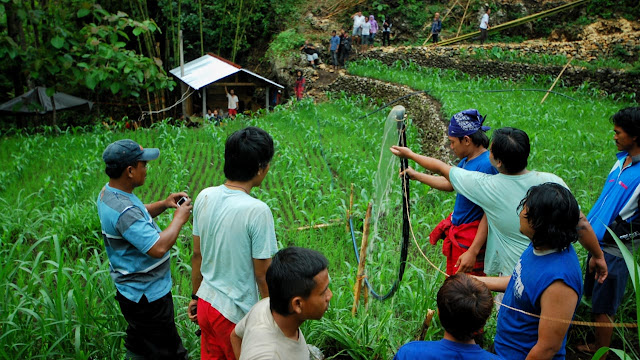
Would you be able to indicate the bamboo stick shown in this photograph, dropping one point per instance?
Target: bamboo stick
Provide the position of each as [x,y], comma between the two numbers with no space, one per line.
[333,222]
[516,22]
[445,16]
[363,257]
[554,83]
[425,324]
[350,207]
[463,16]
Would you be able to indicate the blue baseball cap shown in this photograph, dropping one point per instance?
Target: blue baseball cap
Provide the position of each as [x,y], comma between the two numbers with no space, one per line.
[124,152]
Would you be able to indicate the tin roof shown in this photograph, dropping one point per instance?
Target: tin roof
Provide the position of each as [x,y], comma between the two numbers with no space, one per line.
[208,69]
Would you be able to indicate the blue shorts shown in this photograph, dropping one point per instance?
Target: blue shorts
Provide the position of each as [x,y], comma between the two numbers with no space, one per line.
[606,297]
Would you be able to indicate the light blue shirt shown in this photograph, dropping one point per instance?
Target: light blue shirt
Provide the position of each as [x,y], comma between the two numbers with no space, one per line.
[335,41]
[499,196]
[129,233]
[234,228]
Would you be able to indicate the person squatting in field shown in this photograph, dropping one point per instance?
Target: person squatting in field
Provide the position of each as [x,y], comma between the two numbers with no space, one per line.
[233,241]
[499,196]
[138,252]
[469,142]
[464,305]
[546,281]
[298,281]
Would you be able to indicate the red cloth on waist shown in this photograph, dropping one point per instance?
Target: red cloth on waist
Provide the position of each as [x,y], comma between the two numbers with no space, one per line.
[457,240]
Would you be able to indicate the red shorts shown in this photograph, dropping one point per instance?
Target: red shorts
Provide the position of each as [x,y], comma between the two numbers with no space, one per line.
[216,329]
[233,112]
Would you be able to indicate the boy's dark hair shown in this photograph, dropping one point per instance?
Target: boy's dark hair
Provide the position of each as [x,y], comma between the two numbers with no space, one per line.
[333,32]
[553,213]
[629,120]
[245,152]
[511,146]
[291,274]
[116,172]
[478,138]
[464,305]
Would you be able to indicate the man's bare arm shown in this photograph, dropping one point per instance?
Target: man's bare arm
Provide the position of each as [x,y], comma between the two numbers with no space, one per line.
[260,267]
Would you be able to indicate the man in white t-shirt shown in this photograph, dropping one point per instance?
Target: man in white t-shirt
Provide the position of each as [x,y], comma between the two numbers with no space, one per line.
[232,103]
[233,241]
[358,20]
[499,196]
[484,26]
[298,281]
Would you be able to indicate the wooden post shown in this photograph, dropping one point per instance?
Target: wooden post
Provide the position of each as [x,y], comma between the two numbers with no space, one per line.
[350,207]
[363,257]
[463,16]
[425,324]
[554,83]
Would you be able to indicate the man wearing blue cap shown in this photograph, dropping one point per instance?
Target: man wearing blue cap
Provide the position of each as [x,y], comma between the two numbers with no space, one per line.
[469,142]
[138,251]
[499,196]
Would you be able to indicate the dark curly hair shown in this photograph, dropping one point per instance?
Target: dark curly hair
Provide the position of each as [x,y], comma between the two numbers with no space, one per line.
[553,213]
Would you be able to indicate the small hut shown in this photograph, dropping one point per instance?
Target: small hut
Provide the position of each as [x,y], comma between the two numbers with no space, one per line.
[209,74]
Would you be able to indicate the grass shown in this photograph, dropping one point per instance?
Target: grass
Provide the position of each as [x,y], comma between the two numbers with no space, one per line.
[58,298]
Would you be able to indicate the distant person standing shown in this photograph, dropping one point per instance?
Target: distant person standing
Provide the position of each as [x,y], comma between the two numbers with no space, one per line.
[484,26]
[436,27]
[300,84]
[386,32]
[374,29]
[366,33]
[358,20]
[232,103]
[138,251]
[334,45]
[345,49]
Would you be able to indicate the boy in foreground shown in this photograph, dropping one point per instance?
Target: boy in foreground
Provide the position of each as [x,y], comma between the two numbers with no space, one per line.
[298,281]
[464,305]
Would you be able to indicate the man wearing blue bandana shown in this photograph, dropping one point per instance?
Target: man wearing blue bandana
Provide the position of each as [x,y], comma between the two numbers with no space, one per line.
[499,196]
[469,143]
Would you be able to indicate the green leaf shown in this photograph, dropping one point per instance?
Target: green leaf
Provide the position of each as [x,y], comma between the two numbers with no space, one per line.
[115,87]
[83,12]
[137,31]
[91,82]
[628,259]
[50,91]
[57,42]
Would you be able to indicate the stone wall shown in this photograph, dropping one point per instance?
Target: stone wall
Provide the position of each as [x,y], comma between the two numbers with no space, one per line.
[611,81]
[421,108]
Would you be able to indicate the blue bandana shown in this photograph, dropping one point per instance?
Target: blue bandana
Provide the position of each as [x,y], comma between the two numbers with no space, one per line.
[466,123]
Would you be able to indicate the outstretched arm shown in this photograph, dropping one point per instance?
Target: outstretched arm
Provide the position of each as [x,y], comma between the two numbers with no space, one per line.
[436,182]
[495,283]
[426,162]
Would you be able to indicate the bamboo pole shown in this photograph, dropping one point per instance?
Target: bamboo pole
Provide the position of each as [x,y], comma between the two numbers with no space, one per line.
[554,83]
[425,324]
[445,16]
[463,16]
[350,207]
[363,257]
[516,22]
[333,222]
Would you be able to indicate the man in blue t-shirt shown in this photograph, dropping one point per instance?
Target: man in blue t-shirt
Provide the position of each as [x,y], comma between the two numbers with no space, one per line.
[618,203]
[138,251]
[461,319]
[335,44]
[546,283]
[469,143]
